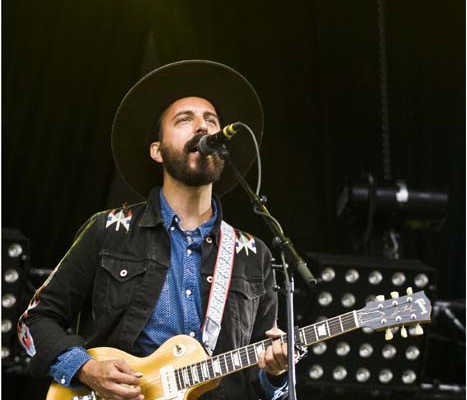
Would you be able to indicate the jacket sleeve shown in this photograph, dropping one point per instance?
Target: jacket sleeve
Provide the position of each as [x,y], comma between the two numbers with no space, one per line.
[44,329]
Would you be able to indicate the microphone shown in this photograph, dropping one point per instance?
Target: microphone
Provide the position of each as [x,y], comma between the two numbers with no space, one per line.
[209,144]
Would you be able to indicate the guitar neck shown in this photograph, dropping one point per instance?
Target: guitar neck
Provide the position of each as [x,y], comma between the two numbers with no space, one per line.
[244,357]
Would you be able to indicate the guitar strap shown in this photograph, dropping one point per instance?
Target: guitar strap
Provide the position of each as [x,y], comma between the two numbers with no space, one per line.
[220,287]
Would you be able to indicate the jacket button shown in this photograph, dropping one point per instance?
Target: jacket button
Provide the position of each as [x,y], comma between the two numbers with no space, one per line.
[123,273]
[209,279]
[208,239]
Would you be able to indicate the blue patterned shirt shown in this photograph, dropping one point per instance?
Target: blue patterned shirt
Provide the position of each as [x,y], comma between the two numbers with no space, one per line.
[178,310]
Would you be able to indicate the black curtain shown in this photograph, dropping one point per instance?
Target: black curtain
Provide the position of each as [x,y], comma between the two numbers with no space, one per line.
[316,66]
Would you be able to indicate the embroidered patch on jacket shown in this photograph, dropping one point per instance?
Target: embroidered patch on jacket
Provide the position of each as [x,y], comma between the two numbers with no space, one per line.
[26,339]
[122,217]
[246,242]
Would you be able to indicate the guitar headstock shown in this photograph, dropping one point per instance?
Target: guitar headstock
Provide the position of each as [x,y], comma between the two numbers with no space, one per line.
[413,308]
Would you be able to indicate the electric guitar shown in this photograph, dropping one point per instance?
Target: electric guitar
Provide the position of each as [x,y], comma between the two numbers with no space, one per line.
[180,369]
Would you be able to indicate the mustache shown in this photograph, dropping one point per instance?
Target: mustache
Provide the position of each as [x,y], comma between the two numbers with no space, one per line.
[188,147]
[189,143]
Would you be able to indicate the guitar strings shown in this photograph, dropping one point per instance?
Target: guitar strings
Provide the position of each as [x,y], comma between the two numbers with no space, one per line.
[336,325]
[249,352]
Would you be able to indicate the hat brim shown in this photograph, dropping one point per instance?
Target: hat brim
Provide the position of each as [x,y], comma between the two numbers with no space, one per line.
[133,128]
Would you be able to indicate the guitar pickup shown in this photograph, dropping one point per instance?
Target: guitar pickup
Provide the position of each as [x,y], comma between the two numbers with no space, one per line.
[169,383]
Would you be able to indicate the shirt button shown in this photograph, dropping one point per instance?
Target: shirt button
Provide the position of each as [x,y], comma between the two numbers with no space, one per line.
[123,273]
[172,228]
[188,252]
[62,381]
[208,239]
[192,334]
[188,292]
[209,279]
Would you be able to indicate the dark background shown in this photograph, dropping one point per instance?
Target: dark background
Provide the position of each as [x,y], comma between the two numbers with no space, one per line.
[349,88]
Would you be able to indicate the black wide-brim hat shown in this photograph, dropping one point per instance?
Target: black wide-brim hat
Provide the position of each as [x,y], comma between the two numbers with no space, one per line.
[134,124]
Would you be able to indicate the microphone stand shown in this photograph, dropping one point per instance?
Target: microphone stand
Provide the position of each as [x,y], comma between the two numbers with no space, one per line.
[290,258]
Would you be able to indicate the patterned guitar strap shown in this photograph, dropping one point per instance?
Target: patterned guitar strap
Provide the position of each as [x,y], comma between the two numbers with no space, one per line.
[220,287]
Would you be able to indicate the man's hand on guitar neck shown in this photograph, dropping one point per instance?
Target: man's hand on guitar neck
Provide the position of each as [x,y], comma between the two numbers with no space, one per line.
[112,380]
[274,359]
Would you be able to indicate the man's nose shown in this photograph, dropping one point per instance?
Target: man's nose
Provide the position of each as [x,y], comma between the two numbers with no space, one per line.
[201,126]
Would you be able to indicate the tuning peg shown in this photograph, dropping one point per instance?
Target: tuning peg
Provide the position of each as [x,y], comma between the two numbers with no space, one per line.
[380,297]
[418,330]
[403,331]
[409,291]
[394,295]
[388,335]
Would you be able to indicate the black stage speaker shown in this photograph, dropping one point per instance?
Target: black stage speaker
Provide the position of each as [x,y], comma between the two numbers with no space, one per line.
[15,274]
[363,360]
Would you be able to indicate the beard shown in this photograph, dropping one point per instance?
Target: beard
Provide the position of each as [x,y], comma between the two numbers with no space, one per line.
[207,170]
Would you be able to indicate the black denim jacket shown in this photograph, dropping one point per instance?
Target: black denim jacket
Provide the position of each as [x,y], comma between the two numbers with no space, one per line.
[111,278]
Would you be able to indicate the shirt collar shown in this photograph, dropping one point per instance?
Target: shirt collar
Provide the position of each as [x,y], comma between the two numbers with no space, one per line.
[169,217]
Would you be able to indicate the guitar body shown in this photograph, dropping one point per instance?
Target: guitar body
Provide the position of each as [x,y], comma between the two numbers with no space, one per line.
[178,351]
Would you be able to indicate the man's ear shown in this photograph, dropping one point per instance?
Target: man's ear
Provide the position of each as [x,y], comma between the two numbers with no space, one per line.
[155,152]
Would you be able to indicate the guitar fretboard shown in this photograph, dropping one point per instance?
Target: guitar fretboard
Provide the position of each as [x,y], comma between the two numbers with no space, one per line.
[244,357]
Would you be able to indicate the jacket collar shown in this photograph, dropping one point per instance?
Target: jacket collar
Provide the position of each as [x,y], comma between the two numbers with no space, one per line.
[152,212]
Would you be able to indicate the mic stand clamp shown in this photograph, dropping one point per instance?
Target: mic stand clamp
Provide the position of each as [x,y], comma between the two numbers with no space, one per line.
[291,261]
